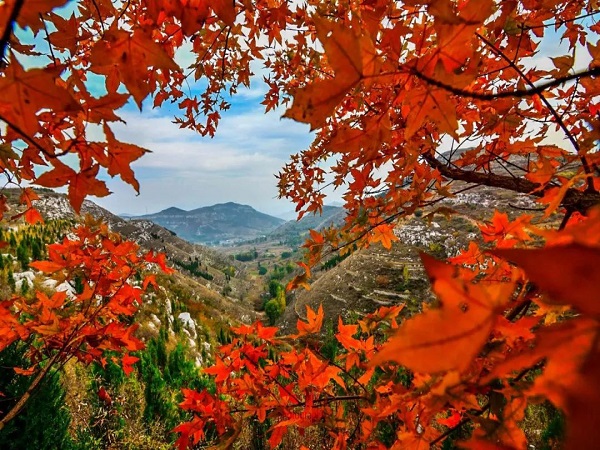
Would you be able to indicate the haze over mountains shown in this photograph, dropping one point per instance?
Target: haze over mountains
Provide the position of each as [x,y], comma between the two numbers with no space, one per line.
[230,223]
[217,224]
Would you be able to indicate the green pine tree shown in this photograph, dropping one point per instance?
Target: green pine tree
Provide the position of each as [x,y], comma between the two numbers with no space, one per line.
[44,422]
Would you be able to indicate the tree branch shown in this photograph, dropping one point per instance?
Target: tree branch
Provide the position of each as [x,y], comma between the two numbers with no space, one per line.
[548,105]
[519,93]
[574,199]
[464,421]
[8,29]
[23,400]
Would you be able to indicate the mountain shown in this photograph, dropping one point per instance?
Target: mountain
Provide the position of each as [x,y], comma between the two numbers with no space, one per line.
[223,223]
[294,232]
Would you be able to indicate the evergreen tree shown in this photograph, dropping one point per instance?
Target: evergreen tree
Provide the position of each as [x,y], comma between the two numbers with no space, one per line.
[36,249]
[11,280]
[23,255]
[24,287]
[44,423]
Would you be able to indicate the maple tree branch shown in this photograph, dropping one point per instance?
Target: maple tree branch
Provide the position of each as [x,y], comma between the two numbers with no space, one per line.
[548,105]
[571,99]
[485,407]
[385,221]
[574,199]
[200,60]
[333,363]
[15,410]
[123,10]
[319,402]
[32,141]
[48,39]
[524,208]
[565,220]
[519,93]
[464,421]
[8,29]
[225,49]
[518,310]
[101,20]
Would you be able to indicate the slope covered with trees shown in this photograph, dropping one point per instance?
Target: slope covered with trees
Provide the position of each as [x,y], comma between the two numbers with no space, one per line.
[394,92]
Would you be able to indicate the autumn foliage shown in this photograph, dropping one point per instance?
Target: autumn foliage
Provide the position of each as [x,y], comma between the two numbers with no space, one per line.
[86,324]
[411,102]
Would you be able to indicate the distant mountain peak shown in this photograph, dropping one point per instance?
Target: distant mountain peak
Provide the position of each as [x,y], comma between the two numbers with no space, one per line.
[220,223]
[172,210]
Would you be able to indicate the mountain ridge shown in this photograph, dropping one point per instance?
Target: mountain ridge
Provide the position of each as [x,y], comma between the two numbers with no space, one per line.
[221,223]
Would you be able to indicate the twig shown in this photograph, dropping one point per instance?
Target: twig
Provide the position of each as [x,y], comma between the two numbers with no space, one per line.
[48,39]
[519,93]
[8,29]
[574,199]
[23,400]
[464,421]
[32,141]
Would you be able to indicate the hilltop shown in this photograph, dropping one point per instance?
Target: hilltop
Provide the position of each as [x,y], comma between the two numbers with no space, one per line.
[223,223]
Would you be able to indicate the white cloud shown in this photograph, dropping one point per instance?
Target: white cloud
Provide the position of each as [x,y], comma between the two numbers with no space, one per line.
[189,171]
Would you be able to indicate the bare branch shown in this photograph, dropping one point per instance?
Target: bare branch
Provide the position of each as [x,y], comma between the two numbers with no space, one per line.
[573,200]
[8,28]
[518,93]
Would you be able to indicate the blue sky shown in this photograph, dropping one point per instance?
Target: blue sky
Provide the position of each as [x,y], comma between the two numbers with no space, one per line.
[188,171]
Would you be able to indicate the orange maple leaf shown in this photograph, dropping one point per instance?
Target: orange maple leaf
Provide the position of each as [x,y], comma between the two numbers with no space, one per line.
[313,324]
[31,14]
[345,335]
[128,361]
[384,233]
[27,92]
[120,157]
[80,183]
[569,274]
[352,56]
[462,324]
[129,56]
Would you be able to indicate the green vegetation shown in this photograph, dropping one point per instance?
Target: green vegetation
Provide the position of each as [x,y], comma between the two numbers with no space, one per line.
[262,270]
[246,256]
[278,272]
[275,306]
[44,424]
[194,267]
[139,410]
[26,244]
[333,261]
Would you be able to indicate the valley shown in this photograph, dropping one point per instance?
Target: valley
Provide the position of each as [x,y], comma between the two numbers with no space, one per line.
[452,301]
[214,288]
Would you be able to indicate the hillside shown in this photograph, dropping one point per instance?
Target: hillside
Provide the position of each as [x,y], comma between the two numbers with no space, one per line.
[224,223]
[374,277]
[182,321]
[294,232]
[208,272]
